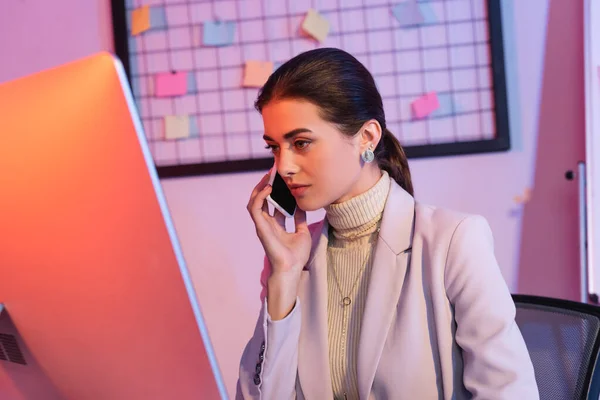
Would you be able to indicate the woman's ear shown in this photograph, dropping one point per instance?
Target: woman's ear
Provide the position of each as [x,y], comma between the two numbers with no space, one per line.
[370,133]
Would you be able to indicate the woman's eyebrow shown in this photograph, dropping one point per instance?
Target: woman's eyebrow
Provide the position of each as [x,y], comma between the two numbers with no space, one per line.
[290,134]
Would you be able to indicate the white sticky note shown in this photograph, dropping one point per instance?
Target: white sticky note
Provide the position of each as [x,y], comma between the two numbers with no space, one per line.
[315,25]
[177,127]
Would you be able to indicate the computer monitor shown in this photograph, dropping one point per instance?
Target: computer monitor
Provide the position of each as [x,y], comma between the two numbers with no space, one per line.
[98,301]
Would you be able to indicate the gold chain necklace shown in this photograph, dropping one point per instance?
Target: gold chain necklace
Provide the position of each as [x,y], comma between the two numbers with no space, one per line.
[346,300]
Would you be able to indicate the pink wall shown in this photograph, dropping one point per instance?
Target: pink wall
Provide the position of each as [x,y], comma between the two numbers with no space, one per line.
[548,232]
[535,244]
[37,34]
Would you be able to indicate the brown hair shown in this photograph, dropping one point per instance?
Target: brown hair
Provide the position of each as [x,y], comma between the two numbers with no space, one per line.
[347,96]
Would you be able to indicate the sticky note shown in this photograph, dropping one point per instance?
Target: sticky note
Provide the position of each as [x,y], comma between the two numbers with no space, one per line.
[194,131]
[177,127]
[425,105]
[427,13]
[408,13]
[140,20]
[158,17]
[256,73]
[315,25]
[170,84]
[192,87]
[448,105]
[411,13]
[218,33]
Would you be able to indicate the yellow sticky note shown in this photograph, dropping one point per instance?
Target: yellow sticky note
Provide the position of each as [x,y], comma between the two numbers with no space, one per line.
[315,25]
[177,127]
[140,20]
[256,73]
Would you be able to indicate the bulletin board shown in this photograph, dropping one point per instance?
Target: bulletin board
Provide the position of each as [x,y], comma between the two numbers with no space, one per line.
[203,120]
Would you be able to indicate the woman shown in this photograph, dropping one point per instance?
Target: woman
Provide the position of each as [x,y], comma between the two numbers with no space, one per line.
[386,298]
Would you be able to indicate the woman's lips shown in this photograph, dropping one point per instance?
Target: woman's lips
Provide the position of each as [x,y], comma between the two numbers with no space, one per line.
[298,190]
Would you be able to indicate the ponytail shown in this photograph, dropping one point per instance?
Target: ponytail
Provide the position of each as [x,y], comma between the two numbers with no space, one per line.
[391,157]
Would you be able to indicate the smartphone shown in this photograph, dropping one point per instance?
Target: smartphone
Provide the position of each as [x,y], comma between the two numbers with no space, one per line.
[281,198]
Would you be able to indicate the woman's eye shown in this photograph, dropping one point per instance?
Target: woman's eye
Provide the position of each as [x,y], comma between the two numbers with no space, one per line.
[301,144]
[272,148]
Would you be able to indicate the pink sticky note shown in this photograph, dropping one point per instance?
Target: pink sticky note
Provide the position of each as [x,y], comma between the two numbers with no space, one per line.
[425,105]
[256,73]
[170,84]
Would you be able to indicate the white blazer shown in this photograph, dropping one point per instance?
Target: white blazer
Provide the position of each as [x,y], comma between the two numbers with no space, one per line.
[439,321]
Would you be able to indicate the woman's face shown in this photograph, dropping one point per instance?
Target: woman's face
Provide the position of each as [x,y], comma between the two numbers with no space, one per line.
[318,163]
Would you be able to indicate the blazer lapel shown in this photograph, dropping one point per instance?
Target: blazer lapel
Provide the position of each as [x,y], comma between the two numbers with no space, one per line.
[390,259]
[313,346]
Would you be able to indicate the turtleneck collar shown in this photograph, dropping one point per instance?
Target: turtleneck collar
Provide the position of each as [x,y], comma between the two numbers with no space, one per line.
[361,214]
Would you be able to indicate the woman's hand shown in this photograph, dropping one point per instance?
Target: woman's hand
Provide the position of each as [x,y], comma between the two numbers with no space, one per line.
[288,252]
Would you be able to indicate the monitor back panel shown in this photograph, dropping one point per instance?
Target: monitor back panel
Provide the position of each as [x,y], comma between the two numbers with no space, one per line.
[91,273]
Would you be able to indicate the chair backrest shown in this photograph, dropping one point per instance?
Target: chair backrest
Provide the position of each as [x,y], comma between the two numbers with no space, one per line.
[563,339]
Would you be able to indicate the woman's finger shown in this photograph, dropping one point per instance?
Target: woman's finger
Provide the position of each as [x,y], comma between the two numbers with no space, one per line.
[300,220]
[259,186]
[259,201]
[280,218]
[259,210]
[264,181]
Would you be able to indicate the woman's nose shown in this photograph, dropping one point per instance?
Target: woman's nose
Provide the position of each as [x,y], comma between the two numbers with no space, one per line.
[286,165]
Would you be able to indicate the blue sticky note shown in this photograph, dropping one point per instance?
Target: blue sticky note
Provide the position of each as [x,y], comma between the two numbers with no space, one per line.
[129,4]
[158,18]
[408,14]
[191,83]
[448,106]
[194,131]
[218,33]
[411,14]
[428,14]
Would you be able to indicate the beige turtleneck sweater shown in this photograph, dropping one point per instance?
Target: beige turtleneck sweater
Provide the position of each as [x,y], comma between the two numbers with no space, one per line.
[354,231]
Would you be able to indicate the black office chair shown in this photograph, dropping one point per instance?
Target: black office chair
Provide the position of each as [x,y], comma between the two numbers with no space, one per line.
[563,339]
